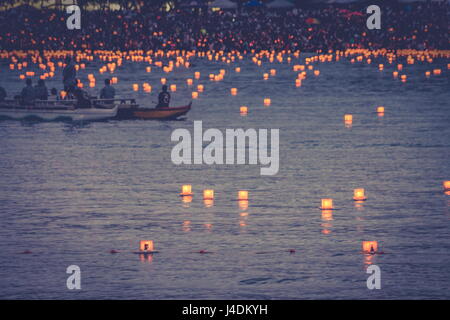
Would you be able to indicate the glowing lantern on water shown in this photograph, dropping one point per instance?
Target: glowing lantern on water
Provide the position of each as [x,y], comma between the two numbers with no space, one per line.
[446,185]
[369,246]
[327,204]
[208,194]
[63,94]
[358,195]
[173,87]
[380,110]
[200,88]
[273,72]
[186,190]
[243,195]
[135,87]
[399,67]
[238,69]
[195,95]
[243,110]
[265,76]
[298,82]
[267,101]
[233,91]
[197,75]
[114,80]
[189,82]
[22,76]
[380,67]
[437,72]
[348,119]
[395,74]
[146,245]
[427,73]
[163,80]
[316,72]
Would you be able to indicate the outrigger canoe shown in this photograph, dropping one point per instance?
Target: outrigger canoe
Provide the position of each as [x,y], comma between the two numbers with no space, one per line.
[129,109]
[54,110]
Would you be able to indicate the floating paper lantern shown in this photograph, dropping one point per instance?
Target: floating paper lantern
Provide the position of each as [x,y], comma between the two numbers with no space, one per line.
[273,72]
[233,91]
[358,195]
[369,246]
[243,195]
[146,245]
[173,87]
[395,74]
[195,95]
[114,80]
[381,67]
[135,87]
[200,88]
[267,101]
[348,119]
[238,69]
[189,82]
[437,72]
[243,110]
[208,194]
[327,204]
[316,72]
[63,94]
[186,190]
[446,185]
[197,75]
[163,80]
[399,67]
[265,76]
[427,73]
[298,82]
[148,69]
[380,111]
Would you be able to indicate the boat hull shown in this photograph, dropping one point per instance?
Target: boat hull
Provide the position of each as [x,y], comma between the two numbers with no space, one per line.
[152,114]
[52,114]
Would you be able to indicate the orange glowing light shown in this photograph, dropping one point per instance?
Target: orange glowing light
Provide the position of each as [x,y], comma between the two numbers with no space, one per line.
[173,87]
[189,82]
[267,101]
[200,88]
[265,76]
[146,245]
[135,87]
[327,204]
[148,69]
[273,72]
[233,91]
[380,109]
[187,199]
[243,195]
[370,246]
[197,75]
[427,73]
[186,190]
[399,67]
[395,74]
[316,72]
[358,195]
[238,69]
[446,185]
[348,119]
[437,72]
[195,95]
[208,194]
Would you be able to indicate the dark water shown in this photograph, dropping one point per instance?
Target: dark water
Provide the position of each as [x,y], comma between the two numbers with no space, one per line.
[72,192]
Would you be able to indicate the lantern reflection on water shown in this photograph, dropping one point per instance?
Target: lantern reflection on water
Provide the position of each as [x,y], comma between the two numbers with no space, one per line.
[370,246]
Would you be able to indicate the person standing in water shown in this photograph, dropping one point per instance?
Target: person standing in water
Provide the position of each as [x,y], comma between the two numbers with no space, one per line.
[163,98]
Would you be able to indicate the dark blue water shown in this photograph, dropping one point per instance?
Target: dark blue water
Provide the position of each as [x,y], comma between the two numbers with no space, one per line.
[72,192]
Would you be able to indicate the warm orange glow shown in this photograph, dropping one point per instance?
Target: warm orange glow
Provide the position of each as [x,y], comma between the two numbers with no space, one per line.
[195,95]
[327,215]
[173,87]
[189,82]
[243,204]
[380,109]
[381,66]
[265,76]
[63,94]
[348,120]
[208,203]
[243,110]
[427,73]
[370,246]
[146,245]
[148,69]
[273,72]
[267,101]
[114,80]
[238,69]
[399,67]
[243,195]
[233,91]
[135,87]
[327,204]
[446,185]
[358,195]
[187,199]
[208,194]
[395,74]
[186,190]
[316,72]
[163,80]
[437,72]
[200,88]
[197,75]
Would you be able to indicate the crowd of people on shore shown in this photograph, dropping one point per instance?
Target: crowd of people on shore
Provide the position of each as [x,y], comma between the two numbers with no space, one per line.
[415,26]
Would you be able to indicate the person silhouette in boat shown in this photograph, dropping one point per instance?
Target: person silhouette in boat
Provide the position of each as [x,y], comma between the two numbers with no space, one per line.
[69,76]
[28,93]
[108,91]
[41,91]
[163,98]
